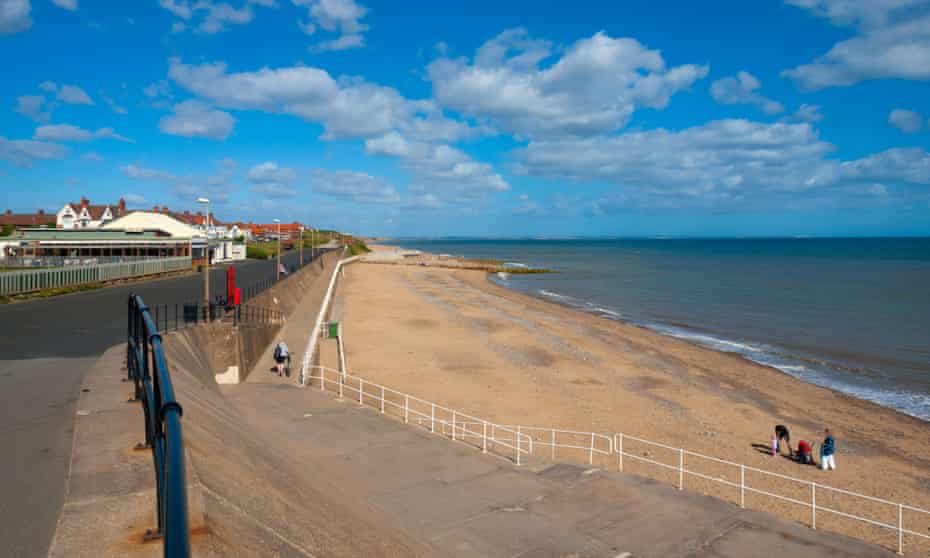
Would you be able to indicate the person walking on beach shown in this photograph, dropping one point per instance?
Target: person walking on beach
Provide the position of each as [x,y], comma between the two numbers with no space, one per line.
[781,433]
[827,449]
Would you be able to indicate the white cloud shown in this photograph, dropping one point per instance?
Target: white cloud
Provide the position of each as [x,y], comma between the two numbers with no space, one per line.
[180,8]
[906,165]
[219,15]
[110,133]
[808,113]
[272,190]
[892,41]
[355,186]
[594,87]
[73,95]
[30,106]
[136,200]
[214,17]
[337,15]
[197,119]
[441,170]
[189,187]
[63,132]
[114,106]
[346,107]
[422,202]
[743,90]
[146,174]
[908,121]
[71,5]
[721,163]
[307,27]
[92,156]
[69,132]
[14,16]
[24,152]
[345,42]
[269,172]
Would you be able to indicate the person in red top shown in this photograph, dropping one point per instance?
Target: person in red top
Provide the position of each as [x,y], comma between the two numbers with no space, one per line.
[804,452]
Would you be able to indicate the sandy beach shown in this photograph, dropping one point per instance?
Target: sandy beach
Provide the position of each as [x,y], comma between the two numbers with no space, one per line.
[453,337]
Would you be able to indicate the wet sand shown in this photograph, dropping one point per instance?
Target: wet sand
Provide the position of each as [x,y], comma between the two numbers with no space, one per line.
[455,338]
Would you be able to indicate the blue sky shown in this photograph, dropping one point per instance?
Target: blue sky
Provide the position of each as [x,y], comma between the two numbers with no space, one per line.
[803,117]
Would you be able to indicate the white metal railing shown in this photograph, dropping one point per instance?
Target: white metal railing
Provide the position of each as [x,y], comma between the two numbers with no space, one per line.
[802,492]
[519,441]
[24,281]
[315,333]
[487,436]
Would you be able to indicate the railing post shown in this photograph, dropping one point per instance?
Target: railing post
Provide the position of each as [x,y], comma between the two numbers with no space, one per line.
[453,425]
[517,446]
[432,418]
[681,469]
[406,409]
[620,452]
[591,453]
[484,437]
[900,529]
[742,486]
[382,400]
[813,505]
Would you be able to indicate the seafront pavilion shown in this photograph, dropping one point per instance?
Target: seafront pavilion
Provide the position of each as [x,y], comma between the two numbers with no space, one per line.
[80,243]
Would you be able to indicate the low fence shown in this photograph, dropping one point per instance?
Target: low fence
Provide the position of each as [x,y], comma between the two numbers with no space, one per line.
[25,281]
[148,370]
[489,437]
[890,524]
[71,261]
[175,317]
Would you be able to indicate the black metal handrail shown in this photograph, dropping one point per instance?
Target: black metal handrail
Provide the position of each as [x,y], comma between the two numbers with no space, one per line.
[148,370]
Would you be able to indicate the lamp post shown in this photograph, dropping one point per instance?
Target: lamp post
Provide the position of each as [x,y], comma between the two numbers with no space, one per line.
[301,246]
[278,268]
[206,268]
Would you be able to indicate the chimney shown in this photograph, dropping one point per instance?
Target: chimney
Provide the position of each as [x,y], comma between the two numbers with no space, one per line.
[42,212]
[155,209]
[84,201]
[122,205]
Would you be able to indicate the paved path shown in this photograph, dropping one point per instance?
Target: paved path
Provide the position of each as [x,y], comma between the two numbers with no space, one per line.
[466,504]
[46,347]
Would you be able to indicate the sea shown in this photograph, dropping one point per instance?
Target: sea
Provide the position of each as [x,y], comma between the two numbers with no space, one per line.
[852,314]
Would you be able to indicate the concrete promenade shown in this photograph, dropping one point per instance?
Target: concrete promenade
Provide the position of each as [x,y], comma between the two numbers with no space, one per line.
[46,348]
[465,504]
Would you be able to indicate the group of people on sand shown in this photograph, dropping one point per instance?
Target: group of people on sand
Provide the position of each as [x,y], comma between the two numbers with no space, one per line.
[804,453]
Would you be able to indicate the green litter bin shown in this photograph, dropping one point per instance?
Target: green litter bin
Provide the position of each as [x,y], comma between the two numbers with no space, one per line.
[333,330]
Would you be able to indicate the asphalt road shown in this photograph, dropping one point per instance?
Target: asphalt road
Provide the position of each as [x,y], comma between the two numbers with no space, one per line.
[46,346]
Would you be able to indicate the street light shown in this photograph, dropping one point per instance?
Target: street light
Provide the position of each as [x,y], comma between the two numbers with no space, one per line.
[206,269]
[300,246]
[278,269]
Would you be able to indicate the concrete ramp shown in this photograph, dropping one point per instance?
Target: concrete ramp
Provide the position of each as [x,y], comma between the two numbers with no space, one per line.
[246,497]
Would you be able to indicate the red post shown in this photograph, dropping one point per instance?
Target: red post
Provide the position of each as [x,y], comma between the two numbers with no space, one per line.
[230,283]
